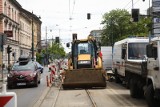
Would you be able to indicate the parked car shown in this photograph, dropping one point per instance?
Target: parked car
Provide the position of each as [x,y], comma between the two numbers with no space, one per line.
[40,67]
[24,73]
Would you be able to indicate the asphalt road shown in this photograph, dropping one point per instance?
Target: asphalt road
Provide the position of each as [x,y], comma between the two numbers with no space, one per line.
[27,96]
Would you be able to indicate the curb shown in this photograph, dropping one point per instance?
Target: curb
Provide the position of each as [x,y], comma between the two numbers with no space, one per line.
[42,97]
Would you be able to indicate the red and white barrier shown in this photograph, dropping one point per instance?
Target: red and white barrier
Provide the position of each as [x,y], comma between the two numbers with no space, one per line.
[52,68]
[7,99]
[51,77]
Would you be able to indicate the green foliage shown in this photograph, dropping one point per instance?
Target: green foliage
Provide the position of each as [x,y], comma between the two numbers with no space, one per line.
[117,26]
[55,50]
[38,57]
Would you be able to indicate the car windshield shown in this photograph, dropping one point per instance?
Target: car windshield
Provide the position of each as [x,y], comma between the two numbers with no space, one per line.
[38,64]
[136,50]
[26,67]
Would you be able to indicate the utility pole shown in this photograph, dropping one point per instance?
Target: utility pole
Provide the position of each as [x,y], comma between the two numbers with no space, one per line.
[46,48]
[32,39]
[9,50]
[2,43]
[132,4]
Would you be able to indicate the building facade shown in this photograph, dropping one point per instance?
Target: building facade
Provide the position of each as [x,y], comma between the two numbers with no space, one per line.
[25,34]
[19,21]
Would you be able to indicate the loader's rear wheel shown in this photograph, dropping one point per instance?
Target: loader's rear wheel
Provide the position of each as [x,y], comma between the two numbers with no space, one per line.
[149,95]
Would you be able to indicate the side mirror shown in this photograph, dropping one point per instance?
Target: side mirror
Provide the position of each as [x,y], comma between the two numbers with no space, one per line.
[68,45]
[155,52]
[149,50]
[74,36]
[123,53]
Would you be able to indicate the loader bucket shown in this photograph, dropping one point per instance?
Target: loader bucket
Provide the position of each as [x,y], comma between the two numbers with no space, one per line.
[84,78]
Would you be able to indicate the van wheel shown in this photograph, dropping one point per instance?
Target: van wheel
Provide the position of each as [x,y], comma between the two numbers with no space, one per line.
[149,96]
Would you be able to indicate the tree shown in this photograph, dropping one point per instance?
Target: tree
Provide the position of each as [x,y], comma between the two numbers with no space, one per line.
[118,25]
[55,50]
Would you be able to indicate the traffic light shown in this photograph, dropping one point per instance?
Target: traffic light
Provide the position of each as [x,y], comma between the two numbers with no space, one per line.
[9,49]
[88,16]
[57,39]
[74,36]
[135,15]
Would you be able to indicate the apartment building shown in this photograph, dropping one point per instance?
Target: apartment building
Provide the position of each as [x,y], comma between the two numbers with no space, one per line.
[18,21]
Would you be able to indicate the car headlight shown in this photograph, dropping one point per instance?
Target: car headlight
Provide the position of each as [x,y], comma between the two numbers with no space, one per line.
[83,62]
[32,74]
[10,75]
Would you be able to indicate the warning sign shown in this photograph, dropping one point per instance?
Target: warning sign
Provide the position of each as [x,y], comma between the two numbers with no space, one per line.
[4,100]
[7,99]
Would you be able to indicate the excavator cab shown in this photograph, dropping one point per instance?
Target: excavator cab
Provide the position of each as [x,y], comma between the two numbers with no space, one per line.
[83,55]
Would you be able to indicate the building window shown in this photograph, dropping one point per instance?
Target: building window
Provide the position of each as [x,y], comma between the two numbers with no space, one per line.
[5,26]
[12,14]
[21,52]
[9,11]
[5,8]
[15,15]
[16,35]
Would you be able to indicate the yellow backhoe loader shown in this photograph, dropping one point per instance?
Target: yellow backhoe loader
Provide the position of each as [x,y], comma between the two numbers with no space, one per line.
[84,65]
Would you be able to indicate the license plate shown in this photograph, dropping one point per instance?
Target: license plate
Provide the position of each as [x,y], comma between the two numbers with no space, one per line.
[21,83]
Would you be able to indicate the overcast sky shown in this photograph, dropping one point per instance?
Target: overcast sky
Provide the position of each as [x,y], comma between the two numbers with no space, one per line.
[56,15]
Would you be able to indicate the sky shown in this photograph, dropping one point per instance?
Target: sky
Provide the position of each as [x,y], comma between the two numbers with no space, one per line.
[64,17]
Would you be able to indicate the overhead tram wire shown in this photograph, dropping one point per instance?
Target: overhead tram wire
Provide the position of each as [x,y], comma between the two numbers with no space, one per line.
[133,4]
[127,4]
[71,13]
[73,7]
[69,9]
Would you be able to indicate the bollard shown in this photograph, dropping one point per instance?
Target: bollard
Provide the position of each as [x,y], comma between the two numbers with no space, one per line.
[47,81]
[50,78]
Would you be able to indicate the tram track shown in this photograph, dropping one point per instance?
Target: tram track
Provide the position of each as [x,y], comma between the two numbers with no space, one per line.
[86,92]
[113,96]
[90,97]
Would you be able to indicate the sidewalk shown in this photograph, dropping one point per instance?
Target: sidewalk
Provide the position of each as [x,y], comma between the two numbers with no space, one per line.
[48,97]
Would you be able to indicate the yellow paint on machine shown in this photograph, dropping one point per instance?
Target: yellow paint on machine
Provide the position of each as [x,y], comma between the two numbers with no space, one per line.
[82,57]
